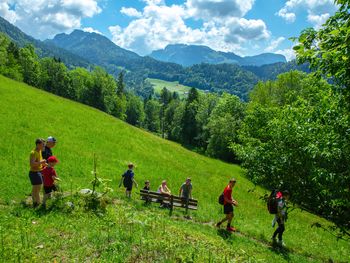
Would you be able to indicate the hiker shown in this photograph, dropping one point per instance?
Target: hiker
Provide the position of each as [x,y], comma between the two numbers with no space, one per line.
[128,180]
[49,178]
[50,143]
[185,191]
[229,203]
[281,216]
[36,163]
[164,190]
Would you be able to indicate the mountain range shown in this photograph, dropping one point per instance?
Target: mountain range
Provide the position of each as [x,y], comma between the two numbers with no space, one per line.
[188,55]
[85,49]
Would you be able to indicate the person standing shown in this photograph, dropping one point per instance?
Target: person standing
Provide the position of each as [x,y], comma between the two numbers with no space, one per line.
[36,163]
[185,191]
[229,204]
[281,217]
[50,143]
[49,178]
[128,180]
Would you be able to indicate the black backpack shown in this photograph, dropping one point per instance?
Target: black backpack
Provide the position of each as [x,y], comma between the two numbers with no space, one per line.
[221,199]
[272,202]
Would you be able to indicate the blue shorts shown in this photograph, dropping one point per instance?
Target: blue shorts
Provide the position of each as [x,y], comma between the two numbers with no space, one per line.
[35,178]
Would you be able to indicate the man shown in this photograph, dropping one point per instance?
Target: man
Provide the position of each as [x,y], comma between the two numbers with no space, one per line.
[229,202]
[281,217]
[185,191]
[50,143]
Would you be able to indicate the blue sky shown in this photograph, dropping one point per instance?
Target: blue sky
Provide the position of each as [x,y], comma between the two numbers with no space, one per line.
[245,27]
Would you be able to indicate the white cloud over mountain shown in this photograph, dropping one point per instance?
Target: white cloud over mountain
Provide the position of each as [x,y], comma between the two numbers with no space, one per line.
[45,18]
[223,26]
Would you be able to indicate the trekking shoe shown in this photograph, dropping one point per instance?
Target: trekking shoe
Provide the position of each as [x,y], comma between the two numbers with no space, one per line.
[231,229]
[281,243]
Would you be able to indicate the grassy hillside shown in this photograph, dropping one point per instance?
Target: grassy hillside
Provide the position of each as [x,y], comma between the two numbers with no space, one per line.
[159,84]
[130,231]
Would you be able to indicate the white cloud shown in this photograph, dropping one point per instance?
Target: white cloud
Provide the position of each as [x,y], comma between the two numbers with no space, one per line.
[91,30]
[160,25]
[318,20]
[288,16]
[274,44]
[6,12]
[129,11]
[318,10]
[218,8]
[288,53]
[45,18]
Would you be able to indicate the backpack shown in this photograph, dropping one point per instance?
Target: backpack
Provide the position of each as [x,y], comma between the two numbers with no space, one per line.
[221,199]
[272,201]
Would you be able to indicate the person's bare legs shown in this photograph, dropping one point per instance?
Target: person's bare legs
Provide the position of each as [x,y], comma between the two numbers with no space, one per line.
[36,194]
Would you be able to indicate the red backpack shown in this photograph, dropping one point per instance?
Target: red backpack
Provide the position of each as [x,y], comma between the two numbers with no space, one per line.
[273,200]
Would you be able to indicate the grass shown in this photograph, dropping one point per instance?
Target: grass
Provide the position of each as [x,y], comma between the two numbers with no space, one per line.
[158,85]
[129,231]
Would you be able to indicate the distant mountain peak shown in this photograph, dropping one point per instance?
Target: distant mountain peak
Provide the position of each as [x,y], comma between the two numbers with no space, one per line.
[188,55]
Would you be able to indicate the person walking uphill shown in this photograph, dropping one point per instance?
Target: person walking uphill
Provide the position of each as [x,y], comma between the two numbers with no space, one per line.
[281,217]
[128,180]
[229,203]
[36,163]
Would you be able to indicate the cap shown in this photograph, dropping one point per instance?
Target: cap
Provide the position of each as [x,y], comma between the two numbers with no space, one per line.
[51,139]
[52,159]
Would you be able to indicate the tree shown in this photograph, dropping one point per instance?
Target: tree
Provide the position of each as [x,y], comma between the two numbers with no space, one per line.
[189,124]
[30,64]
[223,126]
[120,85]
[134,110]
[152,115]
[300,143]
[327,50]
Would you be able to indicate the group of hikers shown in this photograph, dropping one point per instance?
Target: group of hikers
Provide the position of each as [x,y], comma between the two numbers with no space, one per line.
[128,180]
[42,173]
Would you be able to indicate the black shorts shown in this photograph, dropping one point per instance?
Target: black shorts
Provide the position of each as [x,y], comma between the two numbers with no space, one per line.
[35,178]
[228,208]
[50,189]
[128,186]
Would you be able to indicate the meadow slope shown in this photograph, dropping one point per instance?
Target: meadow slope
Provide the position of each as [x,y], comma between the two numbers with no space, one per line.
[130,231]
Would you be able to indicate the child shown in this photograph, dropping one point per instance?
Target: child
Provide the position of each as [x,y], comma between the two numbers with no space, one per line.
[128,180]
[49,178]
[147,188]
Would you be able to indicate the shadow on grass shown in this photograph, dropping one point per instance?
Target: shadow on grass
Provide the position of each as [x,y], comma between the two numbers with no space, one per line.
[225,235]
[280,250]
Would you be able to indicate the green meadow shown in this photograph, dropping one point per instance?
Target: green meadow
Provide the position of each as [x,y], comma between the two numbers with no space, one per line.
[129,231]
[172,86]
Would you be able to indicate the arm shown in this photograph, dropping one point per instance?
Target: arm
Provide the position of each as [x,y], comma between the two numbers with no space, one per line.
[34,163]
[136,184]
[121,181]
[190,194]
[180,191]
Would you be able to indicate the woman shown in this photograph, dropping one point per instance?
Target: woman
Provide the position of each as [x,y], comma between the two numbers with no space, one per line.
[164,190]
[36,162]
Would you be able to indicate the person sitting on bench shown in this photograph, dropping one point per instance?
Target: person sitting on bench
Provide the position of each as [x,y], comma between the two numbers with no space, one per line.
[164,190]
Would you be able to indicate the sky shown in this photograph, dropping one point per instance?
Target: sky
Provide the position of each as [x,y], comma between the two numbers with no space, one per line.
[245,27]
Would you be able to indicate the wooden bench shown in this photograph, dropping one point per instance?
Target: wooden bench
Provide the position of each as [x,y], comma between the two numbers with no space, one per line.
[172,200]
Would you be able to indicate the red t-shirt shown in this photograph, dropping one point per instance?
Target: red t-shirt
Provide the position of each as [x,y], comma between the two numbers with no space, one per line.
[48,173]
[227,194]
